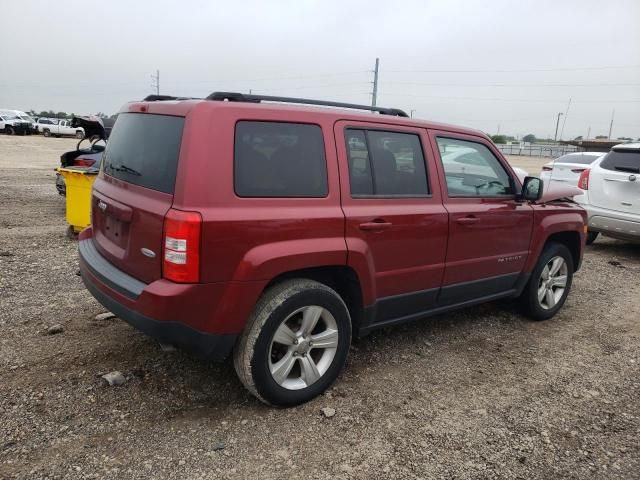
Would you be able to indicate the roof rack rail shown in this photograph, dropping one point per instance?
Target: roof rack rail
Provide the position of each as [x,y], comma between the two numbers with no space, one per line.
[159,98]
[241,97]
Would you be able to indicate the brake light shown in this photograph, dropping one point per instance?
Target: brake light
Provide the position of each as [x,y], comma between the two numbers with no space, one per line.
[578,170]
[83,162]
[181,252]
[583,181]
[546,169]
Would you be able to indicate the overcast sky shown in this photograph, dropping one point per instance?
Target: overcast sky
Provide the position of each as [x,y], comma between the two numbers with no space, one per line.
[482,64]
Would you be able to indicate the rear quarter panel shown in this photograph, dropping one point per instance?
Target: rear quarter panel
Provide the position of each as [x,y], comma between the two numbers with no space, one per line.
[250,239]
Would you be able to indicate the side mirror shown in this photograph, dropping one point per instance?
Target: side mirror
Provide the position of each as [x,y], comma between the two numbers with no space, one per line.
[532,189]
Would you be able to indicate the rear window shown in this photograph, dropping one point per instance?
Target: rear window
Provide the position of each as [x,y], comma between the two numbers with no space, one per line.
[577,158]
[622,161]
[275,159]
[143,149]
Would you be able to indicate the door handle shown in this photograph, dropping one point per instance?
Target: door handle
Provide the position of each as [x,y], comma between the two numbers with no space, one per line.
[467,220]
[377,224]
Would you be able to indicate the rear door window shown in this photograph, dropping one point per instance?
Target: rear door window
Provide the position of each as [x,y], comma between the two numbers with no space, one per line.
[143,149]
[383,163]
[276,159]
[621,161]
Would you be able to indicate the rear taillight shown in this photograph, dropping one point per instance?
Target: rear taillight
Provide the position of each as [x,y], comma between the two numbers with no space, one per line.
[578,170]
[181,252]
[83,162]
[583,181]
[547,169]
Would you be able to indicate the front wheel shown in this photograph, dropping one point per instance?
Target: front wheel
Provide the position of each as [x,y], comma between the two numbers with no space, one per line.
[550,282]
[591,237]
[46,133]
[295,343]
[9,131]
[80,134]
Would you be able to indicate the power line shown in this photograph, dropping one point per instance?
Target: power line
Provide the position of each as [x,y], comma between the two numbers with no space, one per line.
[518,85]
[524,70]
[497,99]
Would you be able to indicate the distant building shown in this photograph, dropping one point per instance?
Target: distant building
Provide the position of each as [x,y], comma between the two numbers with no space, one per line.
[594,145]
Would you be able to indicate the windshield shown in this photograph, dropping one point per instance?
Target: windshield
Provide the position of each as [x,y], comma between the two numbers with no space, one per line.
[143,149]
[27,118]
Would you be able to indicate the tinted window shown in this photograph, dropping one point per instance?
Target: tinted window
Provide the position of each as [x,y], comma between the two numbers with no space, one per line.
[385,163]
[584,159]
[143,149]
[275,159]
[622,161]
[471,169]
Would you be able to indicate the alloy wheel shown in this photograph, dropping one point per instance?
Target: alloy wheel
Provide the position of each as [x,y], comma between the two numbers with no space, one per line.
[303,347]
[552,283]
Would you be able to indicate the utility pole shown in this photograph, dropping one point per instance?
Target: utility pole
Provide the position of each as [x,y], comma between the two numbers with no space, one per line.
[411,113]
[589,133]
[555,137]
[498,132]
[564,120]
[611,124]
[374,97]
[156,82]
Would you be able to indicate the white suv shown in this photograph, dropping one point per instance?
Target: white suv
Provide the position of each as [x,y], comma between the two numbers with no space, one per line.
[612,193]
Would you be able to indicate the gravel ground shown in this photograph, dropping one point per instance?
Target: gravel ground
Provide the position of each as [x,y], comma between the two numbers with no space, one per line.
[481,393]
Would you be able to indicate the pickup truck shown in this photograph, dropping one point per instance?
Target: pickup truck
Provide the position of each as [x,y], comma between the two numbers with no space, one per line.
[12,124]
[58,128]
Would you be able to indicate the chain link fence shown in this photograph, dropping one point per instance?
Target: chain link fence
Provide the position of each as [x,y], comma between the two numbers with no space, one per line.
[536,150]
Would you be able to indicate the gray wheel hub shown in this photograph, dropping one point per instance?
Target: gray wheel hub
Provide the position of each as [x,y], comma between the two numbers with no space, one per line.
[303,347]
[553,282]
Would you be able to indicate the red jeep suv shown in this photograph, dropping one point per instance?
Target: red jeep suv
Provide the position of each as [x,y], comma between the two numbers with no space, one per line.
[277,231]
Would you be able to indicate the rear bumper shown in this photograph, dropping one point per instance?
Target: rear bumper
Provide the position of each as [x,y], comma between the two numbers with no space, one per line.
[211,346]
[203,318]
[614,223]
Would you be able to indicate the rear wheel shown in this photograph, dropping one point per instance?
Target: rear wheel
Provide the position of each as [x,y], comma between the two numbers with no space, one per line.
[591,237]
[550,282]
[295,344]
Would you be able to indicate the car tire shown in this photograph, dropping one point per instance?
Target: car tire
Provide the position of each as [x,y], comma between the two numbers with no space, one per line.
[591,237]
[547,290]
[79,135]
[9,131]
[46,132]
[292,370]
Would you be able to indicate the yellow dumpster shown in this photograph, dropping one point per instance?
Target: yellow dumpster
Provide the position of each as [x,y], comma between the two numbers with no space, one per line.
[78,181]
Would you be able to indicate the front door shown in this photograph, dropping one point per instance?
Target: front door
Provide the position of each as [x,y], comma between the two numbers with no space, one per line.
[396,225]
[489,229]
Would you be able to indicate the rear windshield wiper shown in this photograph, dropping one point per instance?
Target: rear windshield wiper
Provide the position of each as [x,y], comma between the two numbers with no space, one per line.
[623,168]
[124,168]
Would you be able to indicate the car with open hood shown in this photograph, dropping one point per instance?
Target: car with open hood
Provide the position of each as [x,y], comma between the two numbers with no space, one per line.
[88,152]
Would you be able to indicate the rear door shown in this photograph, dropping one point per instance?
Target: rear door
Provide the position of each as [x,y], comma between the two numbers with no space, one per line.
[489,229]
[134,191]
[395,220]
[615,182]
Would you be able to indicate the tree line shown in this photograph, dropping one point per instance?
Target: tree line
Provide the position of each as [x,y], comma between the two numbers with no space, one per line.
[63,115]
[531,138]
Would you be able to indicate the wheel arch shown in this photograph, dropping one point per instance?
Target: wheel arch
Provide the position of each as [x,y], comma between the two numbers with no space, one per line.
[571,240]
[341,278]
